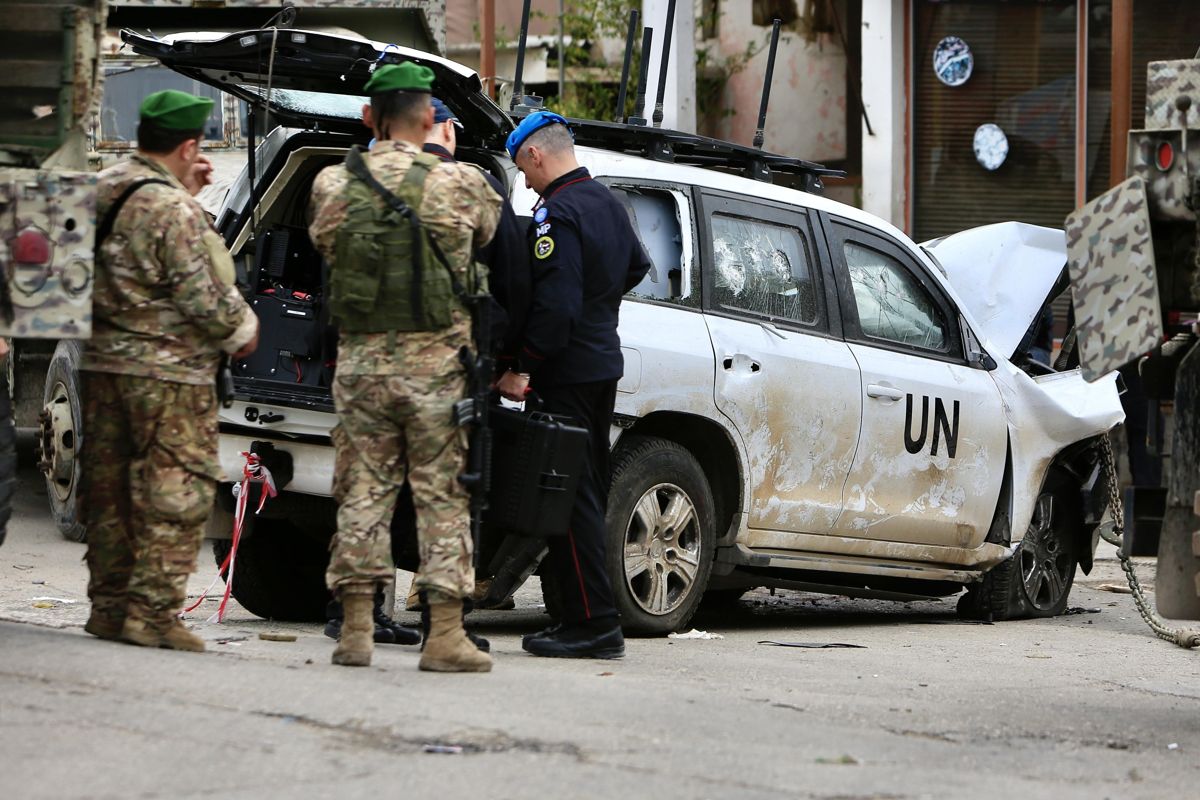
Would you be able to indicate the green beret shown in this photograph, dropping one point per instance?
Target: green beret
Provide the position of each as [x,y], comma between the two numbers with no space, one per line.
[178,111]
[403,77]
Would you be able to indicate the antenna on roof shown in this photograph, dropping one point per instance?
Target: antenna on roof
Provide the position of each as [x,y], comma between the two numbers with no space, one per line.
[662,69]
[639,105]
[522,106]
[766,94]
[633,21]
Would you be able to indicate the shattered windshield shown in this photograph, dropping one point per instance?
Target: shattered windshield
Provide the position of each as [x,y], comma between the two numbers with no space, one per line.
[762,268]
[341,106]
[892,304]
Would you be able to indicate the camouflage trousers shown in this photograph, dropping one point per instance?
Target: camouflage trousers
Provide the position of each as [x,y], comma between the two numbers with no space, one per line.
[149,475]
[391,427]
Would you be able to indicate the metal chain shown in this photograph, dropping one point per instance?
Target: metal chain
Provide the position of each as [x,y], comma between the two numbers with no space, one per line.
[1184,637]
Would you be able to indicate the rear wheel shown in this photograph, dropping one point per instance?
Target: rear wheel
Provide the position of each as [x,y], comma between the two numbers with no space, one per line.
[60,437]
[280,572]
[663,535]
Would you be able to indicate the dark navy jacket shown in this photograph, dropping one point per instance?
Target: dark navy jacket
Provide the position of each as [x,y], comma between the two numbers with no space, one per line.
[585,255]
[507,259]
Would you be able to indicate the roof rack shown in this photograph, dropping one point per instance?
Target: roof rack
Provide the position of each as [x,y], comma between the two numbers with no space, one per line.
[663,144]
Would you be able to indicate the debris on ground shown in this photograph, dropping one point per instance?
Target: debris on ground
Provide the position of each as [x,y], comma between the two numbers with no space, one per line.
[1115,588]
[448,749]
[813,645]
[1081,610]
[277,637]
[695,634]
[51,602]
[851,760]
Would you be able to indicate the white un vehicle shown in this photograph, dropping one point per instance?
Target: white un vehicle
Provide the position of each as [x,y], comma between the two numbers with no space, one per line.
[810,400]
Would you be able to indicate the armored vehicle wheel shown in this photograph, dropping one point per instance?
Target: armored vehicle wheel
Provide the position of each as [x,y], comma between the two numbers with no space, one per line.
[661,534]
[1036,582]
[280,572]
[8,454]
[60,429]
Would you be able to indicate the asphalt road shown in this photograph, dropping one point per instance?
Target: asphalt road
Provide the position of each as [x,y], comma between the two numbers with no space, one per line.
[1083,706]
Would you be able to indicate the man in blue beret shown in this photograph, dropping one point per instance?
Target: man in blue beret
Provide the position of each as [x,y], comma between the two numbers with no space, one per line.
[585,256]
[165,308]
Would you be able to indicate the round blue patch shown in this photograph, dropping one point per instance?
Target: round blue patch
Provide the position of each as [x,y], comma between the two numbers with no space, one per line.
[540,215]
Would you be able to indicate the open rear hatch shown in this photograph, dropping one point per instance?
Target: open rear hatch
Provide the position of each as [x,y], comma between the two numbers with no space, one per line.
[309,81]
[315,79]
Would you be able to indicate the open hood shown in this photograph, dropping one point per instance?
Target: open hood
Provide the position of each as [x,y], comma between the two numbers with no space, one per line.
[316,79]
[1004,274]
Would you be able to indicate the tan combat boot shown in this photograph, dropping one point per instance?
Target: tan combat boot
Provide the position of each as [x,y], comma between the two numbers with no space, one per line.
[357,639]
[103,625]
[447,649]
[176,637]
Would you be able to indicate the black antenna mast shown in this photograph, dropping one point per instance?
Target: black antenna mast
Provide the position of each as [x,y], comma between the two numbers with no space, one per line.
[662,69]
[633,21]
[766,94]
[518,106]
[639,105]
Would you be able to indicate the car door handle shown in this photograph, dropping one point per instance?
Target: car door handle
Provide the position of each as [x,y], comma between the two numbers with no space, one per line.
[884,392]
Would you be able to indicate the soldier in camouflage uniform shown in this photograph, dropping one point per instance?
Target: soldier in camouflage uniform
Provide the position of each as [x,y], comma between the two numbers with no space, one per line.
[165,308]
[397,381]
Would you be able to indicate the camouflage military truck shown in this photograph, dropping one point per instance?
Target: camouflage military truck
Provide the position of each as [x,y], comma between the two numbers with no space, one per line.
[1137,249]
[51,81]
[43,372]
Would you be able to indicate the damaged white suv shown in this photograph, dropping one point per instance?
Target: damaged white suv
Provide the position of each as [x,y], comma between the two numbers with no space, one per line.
[810,399]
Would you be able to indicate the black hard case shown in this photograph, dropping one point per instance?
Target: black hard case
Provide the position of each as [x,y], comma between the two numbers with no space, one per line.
[537,459]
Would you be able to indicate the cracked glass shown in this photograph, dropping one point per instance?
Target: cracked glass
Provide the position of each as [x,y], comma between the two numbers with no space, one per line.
[763,269]
[892,304]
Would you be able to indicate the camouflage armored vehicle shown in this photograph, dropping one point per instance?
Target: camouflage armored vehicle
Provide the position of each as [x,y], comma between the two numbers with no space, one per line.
[1137,249]
[49,71]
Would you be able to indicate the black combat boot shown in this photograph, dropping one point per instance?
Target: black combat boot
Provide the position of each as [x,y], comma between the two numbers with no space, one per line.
[387,630]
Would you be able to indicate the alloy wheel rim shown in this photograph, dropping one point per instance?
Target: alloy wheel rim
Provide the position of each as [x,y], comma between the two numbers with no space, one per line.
[1045,563]
[662,549]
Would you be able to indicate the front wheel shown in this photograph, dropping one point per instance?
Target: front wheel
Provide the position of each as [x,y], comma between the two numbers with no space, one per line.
[662,528]
[60,435]
[1036,581]
[279,573]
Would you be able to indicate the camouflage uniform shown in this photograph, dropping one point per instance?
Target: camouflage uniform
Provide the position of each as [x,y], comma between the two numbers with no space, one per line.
[165,305]
[393,393]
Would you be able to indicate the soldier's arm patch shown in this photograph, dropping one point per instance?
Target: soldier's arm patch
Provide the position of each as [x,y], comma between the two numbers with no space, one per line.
[543,247]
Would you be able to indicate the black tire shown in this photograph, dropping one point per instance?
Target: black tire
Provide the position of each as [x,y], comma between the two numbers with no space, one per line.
[658,597]
[280,572]
[1036,581]
[8,453]
[62,392]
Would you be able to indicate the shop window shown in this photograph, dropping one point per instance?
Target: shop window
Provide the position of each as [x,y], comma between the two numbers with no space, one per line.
[1020,88]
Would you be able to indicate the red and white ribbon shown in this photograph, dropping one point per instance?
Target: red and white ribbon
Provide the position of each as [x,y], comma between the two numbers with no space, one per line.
[254,471]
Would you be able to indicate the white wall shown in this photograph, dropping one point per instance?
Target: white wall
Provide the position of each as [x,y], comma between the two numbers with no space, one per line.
[883,154]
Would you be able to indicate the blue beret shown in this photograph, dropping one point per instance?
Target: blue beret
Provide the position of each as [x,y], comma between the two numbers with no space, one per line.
[442,112]
[534,122]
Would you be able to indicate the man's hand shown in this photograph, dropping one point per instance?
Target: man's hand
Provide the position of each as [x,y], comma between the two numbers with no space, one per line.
[250,347]
[199,175]
[513,386]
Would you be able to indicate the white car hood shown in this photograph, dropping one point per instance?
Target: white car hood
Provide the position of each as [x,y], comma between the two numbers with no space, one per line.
[1003,274]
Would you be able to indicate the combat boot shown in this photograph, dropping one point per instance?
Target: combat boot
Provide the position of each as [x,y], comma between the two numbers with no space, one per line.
[175,637]
[483,644]
[104,625]
[447,648]
[357,638]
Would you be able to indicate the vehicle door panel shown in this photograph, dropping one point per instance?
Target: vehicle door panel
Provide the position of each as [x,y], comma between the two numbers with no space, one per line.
[786,385]
[933,441]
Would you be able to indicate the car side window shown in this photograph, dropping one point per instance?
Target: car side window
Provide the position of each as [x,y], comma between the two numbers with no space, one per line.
[892,304]
[663,222]
[762,268]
